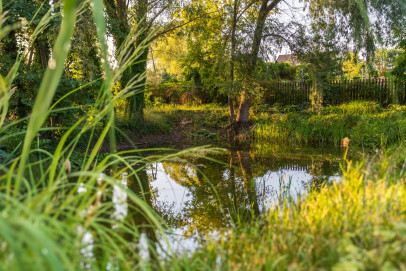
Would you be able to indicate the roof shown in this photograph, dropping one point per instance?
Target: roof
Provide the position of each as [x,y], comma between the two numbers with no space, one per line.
[288,58]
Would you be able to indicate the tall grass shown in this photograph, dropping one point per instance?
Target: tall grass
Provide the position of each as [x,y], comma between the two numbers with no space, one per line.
[358,224]
[365,123]
[47,212]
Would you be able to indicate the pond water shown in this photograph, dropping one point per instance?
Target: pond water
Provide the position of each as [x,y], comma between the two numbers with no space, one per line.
[206,193]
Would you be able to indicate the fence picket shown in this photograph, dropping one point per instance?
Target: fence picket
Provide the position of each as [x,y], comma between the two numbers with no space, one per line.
[383,91]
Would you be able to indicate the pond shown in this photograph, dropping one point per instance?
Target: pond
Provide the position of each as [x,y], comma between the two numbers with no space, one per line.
[204,193]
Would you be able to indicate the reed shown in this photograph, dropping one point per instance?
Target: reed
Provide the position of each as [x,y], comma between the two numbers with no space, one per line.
[52,218]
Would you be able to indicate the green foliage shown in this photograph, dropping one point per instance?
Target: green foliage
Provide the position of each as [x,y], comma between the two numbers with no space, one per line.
[384,60]
[46,210]
[280,71]
[80,72]
[363,122]
[400,66]
[167,55]
[152,101]
[169,92]
[352,67]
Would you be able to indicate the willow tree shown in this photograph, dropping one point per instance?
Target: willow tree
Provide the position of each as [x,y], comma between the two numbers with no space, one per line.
[345,26]
[222,40]
[331,28]
[264,8]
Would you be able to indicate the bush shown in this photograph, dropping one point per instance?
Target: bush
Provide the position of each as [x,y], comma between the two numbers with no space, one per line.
[291,108]
[380,130]
[167,92]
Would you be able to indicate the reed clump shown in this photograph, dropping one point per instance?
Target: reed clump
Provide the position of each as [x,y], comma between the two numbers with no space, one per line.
[54,217]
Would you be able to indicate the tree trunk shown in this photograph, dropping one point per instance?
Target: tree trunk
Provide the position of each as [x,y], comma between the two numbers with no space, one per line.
[244,109]
[231,91]
[137,101]
[249,183]
[43,53]
[152,58]
[120,28]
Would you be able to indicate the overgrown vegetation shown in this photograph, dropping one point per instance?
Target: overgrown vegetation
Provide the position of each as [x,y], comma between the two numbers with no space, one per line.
[48,212]
[357,224]
[193,123]
[366,124]
[65,105]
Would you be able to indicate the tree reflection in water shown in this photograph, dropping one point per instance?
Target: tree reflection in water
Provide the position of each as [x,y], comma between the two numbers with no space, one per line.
[198,196]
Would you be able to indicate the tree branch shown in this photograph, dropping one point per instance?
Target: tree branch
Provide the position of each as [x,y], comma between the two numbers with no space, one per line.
[272,5]
[246,8]
[177,26]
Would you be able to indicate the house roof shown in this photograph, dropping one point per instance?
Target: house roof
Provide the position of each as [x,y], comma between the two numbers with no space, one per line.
[288,58]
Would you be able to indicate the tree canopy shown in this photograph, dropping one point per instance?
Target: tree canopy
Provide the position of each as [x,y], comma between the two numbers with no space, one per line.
[224,48]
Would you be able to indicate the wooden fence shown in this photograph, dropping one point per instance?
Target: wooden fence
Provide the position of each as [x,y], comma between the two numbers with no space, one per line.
[383,91]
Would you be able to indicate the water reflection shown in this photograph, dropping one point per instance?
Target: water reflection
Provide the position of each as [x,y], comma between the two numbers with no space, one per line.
[197,196]
[139,184]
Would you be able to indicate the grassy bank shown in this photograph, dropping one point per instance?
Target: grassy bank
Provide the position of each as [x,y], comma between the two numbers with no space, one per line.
[358,224]
[365,123]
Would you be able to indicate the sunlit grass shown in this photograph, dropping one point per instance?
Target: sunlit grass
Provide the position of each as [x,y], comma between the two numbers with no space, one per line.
[365,123]
[358,224]
[186,107]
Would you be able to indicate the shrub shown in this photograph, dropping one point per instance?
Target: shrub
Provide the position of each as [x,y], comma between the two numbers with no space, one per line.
[168,92]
